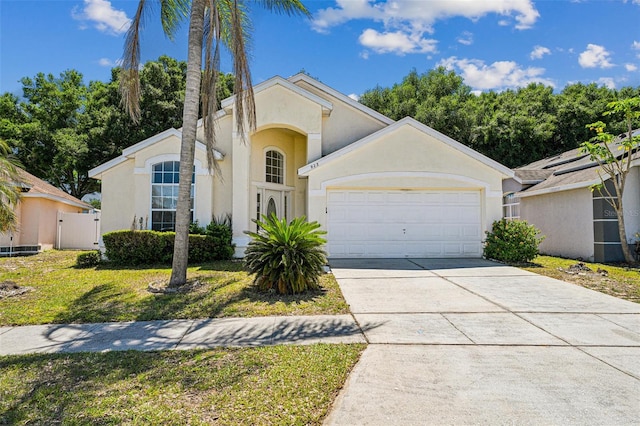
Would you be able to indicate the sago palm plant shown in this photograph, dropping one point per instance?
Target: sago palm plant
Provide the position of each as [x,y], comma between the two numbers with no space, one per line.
[286,257]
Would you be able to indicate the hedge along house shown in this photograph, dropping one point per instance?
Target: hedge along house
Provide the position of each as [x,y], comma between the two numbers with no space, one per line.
[38,215]
[380,188]
[555,194]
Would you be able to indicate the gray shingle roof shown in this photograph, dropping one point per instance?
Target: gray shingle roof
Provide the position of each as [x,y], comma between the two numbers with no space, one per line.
[570,169]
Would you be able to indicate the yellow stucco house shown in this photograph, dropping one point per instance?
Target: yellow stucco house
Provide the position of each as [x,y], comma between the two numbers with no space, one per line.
[381,188]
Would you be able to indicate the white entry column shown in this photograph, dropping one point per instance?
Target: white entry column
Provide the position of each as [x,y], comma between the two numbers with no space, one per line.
[241,164]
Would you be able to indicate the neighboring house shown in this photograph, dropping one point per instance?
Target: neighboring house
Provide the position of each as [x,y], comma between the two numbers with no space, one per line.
[380,188]
[38,210]
[555,194]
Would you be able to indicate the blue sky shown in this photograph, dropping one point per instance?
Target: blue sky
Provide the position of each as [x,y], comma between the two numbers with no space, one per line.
[353,45]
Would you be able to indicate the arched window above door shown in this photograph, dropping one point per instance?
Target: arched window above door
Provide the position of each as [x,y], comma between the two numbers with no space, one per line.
[274,167]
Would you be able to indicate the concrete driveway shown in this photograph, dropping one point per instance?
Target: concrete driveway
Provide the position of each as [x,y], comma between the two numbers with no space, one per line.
[455,341]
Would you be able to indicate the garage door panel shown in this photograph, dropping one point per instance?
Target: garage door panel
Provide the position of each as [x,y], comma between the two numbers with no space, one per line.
[404,223]
[473,249]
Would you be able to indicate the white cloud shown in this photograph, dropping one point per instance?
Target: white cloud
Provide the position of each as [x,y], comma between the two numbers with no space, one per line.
[608,82]
[103,16]
[105,62]
[417,15]
[595,56]
[496,76]
[539,51]
[636,46]
[414,18]
[396,42]
[630,67]
[354,97]
[465,38]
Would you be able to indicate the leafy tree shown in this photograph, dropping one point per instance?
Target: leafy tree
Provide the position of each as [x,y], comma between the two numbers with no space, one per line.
[578,104]
[62,128]
[616,166]
[517,125]
[9,193]
[438,98]
[212,24]
[51,141]
[514,127]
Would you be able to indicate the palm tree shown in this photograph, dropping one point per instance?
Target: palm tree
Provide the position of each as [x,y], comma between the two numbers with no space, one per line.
[9,193]
[212,24]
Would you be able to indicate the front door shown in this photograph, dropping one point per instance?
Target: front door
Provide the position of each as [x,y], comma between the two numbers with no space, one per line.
[273,203]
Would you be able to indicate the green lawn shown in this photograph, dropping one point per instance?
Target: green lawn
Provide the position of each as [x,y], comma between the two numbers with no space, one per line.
[277,385]
[63,293]
[620,281]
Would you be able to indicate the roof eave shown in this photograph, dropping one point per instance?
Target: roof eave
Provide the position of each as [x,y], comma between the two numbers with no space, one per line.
[51,197]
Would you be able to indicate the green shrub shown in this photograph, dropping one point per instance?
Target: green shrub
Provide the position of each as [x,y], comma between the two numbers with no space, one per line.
[201,248]
[132,248]
[221,234]
[287,258]
[196,229]
[512,241]
[88,259]
[128,247]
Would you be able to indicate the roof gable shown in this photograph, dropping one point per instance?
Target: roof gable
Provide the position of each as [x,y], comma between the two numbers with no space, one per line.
[309,168]
[131,151]
[301,77]
[34,187]
[279,81]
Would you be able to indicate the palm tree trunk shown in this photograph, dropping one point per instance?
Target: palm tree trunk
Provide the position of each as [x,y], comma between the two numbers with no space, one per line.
[187,149]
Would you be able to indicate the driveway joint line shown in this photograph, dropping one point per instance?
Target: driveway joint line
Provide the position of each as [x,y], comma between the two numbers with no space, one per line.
[614,322]
[456,327]
[366,338]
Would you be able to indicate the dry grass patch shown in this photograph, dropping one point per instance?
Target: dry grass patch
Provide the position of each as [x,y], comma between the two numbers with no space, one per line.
[619,281]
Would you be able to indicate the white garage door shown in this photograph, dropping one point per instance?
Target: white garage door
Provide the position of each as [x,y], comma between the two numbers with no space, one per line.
[370,223]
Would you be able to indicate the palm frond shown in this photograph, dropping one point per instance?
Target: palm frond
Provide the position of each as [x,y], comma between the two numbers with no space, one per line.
[9,188]
[130,73]
[289,7]
[209,92]
[172,13]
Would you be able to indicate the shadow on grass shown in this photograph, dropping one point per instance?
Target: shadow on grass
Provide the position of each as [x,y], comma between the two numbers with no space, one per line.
[217,265]
[214,294]
[55,388]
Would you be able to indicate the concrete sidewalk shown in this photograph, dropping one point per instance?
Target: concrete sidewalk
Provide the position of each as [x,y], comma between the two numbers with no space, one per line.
[179,334]
[468,341]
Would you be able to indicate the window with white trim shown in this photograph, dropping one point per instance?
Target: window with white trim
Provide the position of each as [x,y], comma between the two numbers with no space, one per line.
[511,206]
[274,167]
[165,178]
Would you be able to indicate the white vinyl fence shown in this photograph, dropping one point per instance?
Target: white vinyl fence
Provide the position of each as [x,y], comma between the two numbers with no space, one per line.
[78,231]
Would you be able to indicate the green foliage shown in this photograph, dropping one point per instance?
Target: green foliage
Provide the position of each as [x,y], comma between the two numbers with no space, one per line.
[514,126]
[512,241]
[286,257]
[196,229]
[88,259]
[135,247]
[9,192]
[219,231]
[129,247]
[614,155]
[62,127]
